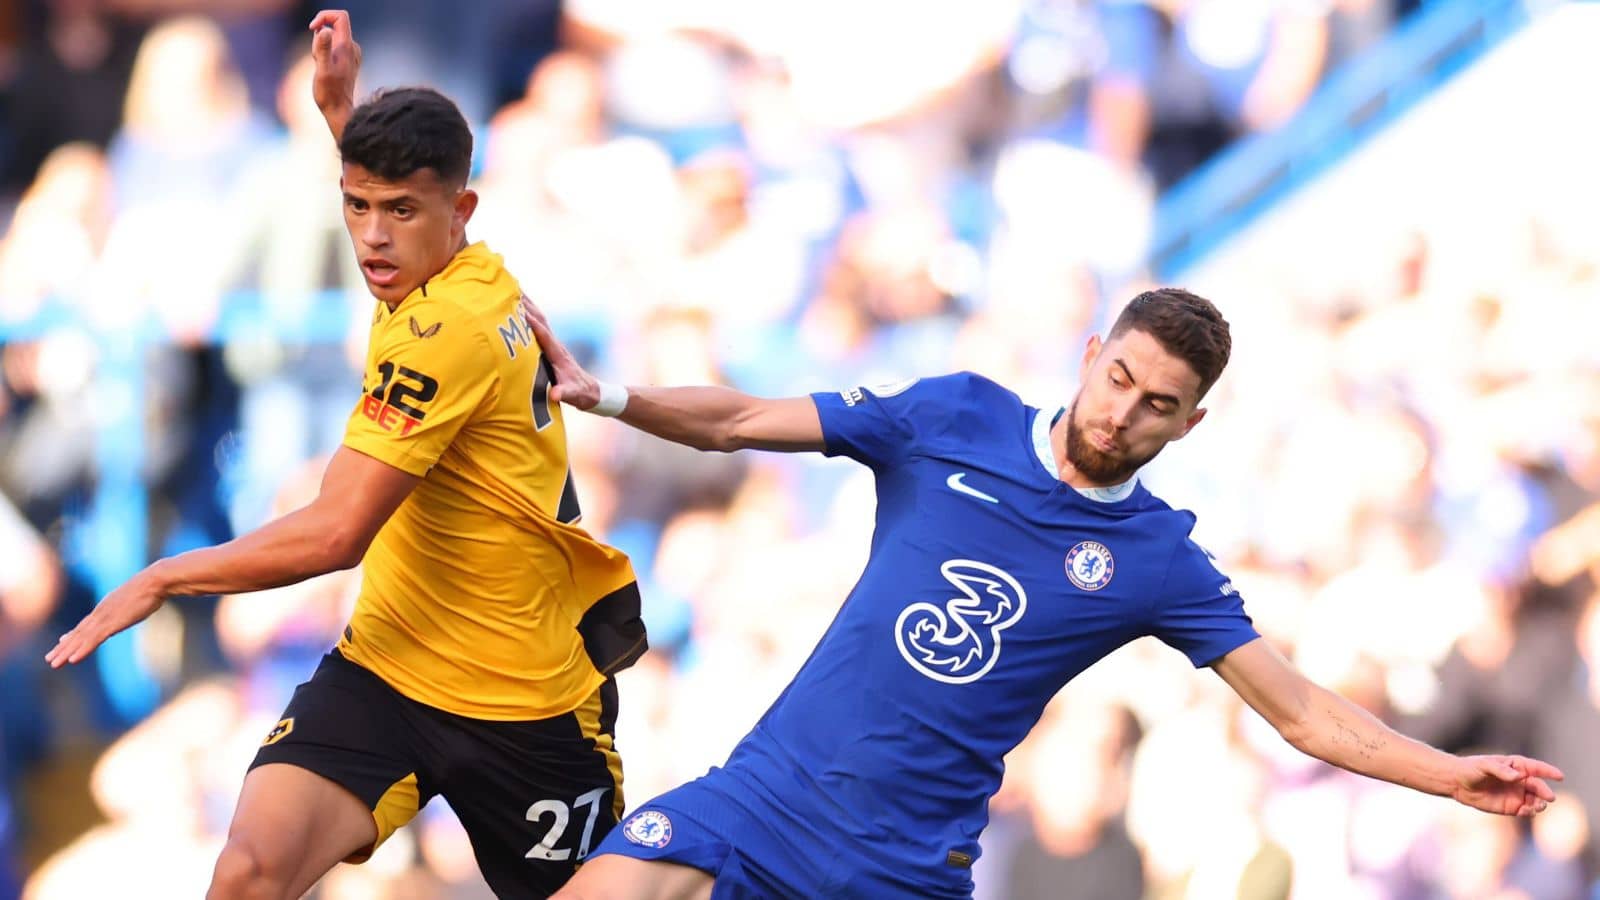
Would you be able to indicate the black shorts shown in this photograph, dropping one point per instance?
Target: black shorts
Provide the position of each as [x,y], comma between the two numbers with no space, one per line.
[534,797]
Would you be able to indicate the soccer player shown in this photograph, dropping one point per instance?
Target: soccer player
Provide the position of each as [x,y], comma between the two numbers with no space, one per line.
[1014,548]
[478,662]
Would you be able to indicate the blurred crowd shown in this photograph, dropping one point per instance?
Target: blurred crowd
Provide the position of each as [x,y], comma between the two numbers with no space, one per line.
[1401,471]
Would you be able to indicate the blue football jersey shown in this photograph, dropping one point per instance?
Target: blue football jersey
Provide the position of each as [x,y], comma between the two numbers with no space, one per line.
[991,583]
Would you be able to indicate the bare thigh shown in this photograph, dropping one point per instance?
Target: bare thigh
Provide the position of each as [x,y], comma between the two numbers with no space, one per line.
[615,877]
[295,825]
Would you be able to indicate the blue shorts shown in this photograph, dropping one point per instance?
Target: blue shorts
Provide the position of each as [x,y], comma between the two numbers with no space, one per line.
[757,848]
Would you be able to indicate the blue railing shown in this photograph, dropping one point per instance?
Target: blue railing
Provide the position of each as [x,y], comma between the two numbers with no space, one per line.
[1355,103]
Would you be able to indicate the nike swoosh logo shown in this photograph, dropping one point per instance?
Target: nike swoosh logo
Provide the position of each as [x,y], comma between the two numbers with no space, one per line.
[954,481]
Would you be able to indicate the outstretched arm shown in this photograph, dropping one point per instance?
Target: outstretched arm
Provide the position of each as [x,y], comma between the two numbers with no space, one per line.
[338,60]
[358,495]
[1323,724]
[706,418]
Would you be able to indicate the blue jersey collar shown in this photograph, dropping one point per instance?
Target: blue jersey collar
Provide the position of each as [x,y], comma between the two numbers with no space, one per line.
[1047,459]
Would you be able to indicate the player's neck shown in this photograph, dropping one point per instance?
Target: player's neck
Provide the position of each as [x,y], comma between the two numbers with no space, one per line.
[462,245]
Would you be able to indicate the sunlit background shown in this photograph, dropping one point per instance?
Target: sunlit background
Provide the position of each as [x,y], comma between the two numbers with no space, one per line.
[1393,203]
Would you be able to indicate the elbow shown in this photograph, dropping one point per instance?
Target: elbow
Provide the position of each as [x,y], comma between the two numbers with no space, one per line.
[1298,733]
[342,549]
[1322,733]
[725,440]
[728,436]
[719,438]
[1297,724]
[1298,710]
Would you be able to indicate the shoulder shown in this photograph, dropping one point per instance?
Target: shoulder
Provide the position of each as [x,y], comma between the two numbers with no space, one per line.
[978,412]
[1166,526]
[1174,521]
[1193,569]
[482,314]
[476,290]
[918,416]
[971,386]
[961,405]
[966,394]
[446,340]
[439,320]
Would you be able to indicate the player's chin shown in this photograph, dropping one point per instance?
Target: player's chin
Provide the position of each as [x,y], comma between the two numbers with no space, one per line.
[392,292]
[1103,466]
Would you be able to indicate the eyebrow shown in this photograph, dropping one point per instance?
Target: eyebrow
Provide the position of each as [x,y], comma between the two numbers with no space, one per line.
[1167,398]
[402,200]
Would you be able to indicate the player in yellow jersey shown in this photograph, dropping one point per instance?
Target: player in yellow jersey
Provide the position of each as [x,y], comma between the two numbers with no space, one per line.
[478,662]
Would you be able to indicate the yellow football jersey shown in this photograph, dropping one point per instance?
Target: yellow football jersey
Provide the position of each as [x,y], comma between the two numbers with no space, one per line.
[480,596]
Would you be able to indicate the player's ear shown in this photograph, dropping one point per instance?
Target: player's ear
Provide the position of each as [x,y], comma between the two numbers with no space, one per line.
[1091,352]
[466,204]
[1191,422]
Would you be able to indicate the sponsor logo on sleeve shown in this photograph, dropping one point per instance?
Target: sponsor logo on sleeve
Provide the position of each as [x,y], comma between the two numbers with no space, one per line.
[279,731]
[397,403]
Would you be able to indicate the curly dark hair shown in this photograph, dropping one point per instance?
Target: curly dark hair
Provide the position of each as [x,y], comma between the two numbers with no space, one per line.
[399,131]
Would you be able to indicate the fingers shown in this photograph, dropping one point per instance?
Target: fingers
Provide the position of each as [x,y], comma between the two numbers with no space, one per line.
[1537,768]
[1503,770]
[335,19]
[572,385]
[1538,788]
[532,313]
[331,34]
[1531,772]
[548,342]
[74,645]
[541,328]
[56,658]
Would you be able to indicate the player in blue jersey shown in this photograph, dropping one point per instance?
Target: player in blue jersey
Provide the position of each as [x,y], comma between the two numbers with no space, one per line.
[1014,547]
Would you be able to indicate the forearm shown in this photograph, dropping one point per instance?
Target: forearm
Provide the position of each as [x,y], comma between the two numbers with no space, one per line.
[705,418]
[298,546]
[1339,732]
[337,115]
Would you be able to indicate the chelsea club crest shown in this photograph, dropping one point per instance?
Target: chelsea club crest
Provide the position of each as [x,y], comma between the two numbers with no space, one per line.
[648,828]
[1090,565]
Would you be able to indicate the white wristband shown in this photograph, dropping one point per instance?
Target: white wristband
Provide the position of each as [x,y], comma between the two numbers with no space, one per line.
[613,398]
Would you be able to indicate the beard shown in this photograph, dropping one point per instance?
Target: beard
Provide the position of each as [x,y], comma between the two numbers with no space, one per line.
[1094,464]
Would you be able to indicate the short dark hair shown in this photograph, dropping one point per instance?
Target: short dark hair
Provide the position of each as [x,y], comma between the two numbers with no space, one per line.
[401,130]
[1186,325]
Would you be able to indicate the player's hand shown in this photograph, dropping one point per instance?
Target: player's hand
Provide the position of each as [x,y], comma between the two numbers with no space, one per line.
[122,608]
[1506,785]
[338,62]
[574,386]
